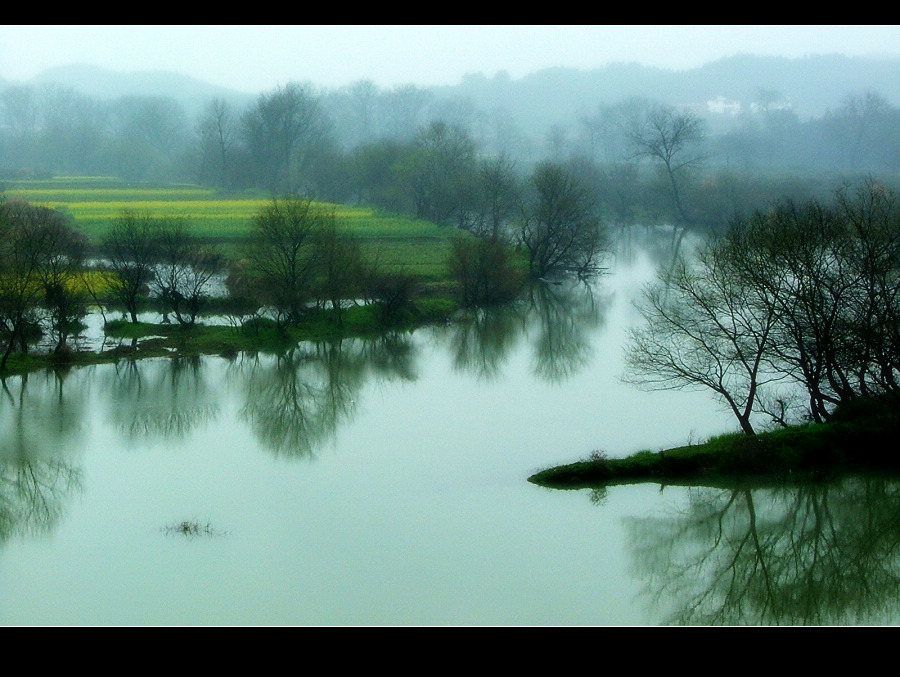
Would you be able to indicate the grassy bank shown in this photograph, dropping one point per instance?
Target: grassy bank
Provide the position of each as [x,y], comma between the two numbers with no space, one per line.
[392,242]
[860,439]
[127,340]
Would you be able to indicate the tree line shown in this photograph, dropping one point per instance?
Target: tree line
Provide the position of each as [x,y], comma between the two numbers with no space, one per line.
[410,151]
[789,314]
[298,258]
[48,279]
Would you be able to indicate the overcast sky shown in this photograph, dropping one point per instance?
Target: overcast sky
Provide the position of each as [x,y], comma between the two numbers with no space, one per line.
[258,58]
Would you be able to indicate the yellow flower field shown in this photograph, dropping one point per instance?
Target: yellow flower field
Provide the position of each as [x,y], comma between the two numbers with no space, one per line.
[94,203]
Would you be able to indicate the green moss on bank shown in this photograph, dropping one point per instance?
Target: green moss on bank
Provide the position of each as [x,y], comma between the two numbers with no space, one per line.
[861,438]
[138,340]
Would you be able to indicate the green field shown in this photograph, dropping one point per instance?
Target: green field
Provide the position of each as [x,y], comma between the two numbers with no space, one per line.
[93,203]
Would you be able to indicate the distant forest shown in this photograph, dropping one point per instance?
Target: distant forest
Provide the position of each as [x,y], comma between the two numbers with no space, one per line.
[692,147]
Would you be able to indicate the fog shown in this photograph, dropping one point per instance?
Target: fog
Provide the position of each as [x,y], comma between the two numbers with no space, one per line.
[773,110]
[257,58]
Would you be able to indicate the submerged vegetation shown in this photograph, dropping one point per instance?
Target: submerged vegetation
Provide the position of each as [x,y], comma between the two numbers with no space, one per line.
[193,528]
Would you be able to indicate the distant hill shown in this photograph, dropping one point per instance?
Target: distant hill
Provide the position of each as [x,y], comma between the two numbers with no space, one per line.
[811,85]
[100,83]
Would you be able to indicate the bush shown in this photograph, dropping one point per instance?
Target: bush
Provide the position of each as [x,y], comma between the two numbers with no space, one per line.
[483,270]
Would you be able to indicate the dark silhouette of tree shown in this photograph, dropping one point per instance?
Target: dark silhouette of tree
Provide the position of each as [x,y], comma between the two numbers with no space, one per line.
[282,261]
[803,294]
[670,137]
[59,272]
[704,328]
[561,230]
[183,269]
[484,270]
[339,266]
[129,250]
[39,255]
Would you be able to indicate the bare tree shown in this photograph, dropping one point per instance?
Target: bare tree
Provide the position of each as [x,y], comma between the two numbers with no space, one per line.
[805,294]
[561,230]
[872,215]
[61,262]
[442,174]
[339,266]
[499,193]
[281,261]
[483,269]
[855,125]
[704,328]
[39,255]
[129,250]
[667,136]
[796,254]
[151,134]
[183,269]
[216,137]
[279,132]
[404,111]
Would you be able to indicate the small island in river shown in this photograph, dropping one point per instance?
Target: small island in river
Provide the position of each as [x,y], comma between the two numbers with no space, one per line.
[860,438]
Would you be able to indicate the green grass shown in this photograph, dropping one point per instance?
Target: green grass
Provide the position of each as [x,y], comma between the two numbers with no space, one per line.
[418,247]
[139,340]
[859,439]
[394,243]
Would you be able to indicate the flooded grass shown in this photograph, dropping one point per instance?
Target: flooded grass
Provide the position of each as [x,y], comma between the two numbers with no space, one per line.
[192,529]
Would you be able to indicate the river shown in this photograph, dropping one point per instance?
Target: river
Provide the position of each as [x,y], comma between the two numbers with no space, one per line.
[385,483]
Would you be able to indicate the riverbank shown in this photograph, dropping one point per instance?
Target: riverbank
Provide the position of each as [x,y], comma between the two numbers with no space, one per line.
[860,439]
[122,339]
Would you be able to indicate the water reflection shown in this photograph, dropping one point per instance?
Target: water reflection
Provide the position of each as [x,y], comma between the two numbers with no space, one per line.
[659,244]
[814,554]
[38,422]
[565,315]
[559,318]
[483,341]
[33,495]
[295,401]
[160,399]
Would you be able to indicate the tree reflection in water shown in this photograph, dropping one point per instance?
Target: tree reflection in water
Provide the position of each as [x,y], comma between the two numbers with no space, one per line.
[35,480]
[815,554]
[559,319]
[165,398]
[299,399]
[482,341]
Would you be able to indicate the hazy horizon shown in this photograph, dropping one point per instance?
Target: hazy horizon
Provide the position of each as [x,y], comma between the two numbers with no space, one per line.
[255,58]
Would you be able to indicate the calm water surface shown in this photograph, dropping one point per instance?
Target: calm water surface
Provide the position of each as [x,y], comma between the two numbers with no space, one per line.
[385,483]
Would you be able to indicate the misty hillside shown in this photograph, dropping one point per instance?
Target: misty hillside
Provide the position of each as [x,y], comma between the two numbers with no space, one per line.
[772,122]
[99,83]
[810,85]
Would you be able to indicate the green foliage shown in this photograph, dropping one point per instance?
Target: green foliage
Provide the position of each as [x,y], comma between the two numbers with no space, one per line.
[226,219]
[484,270]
